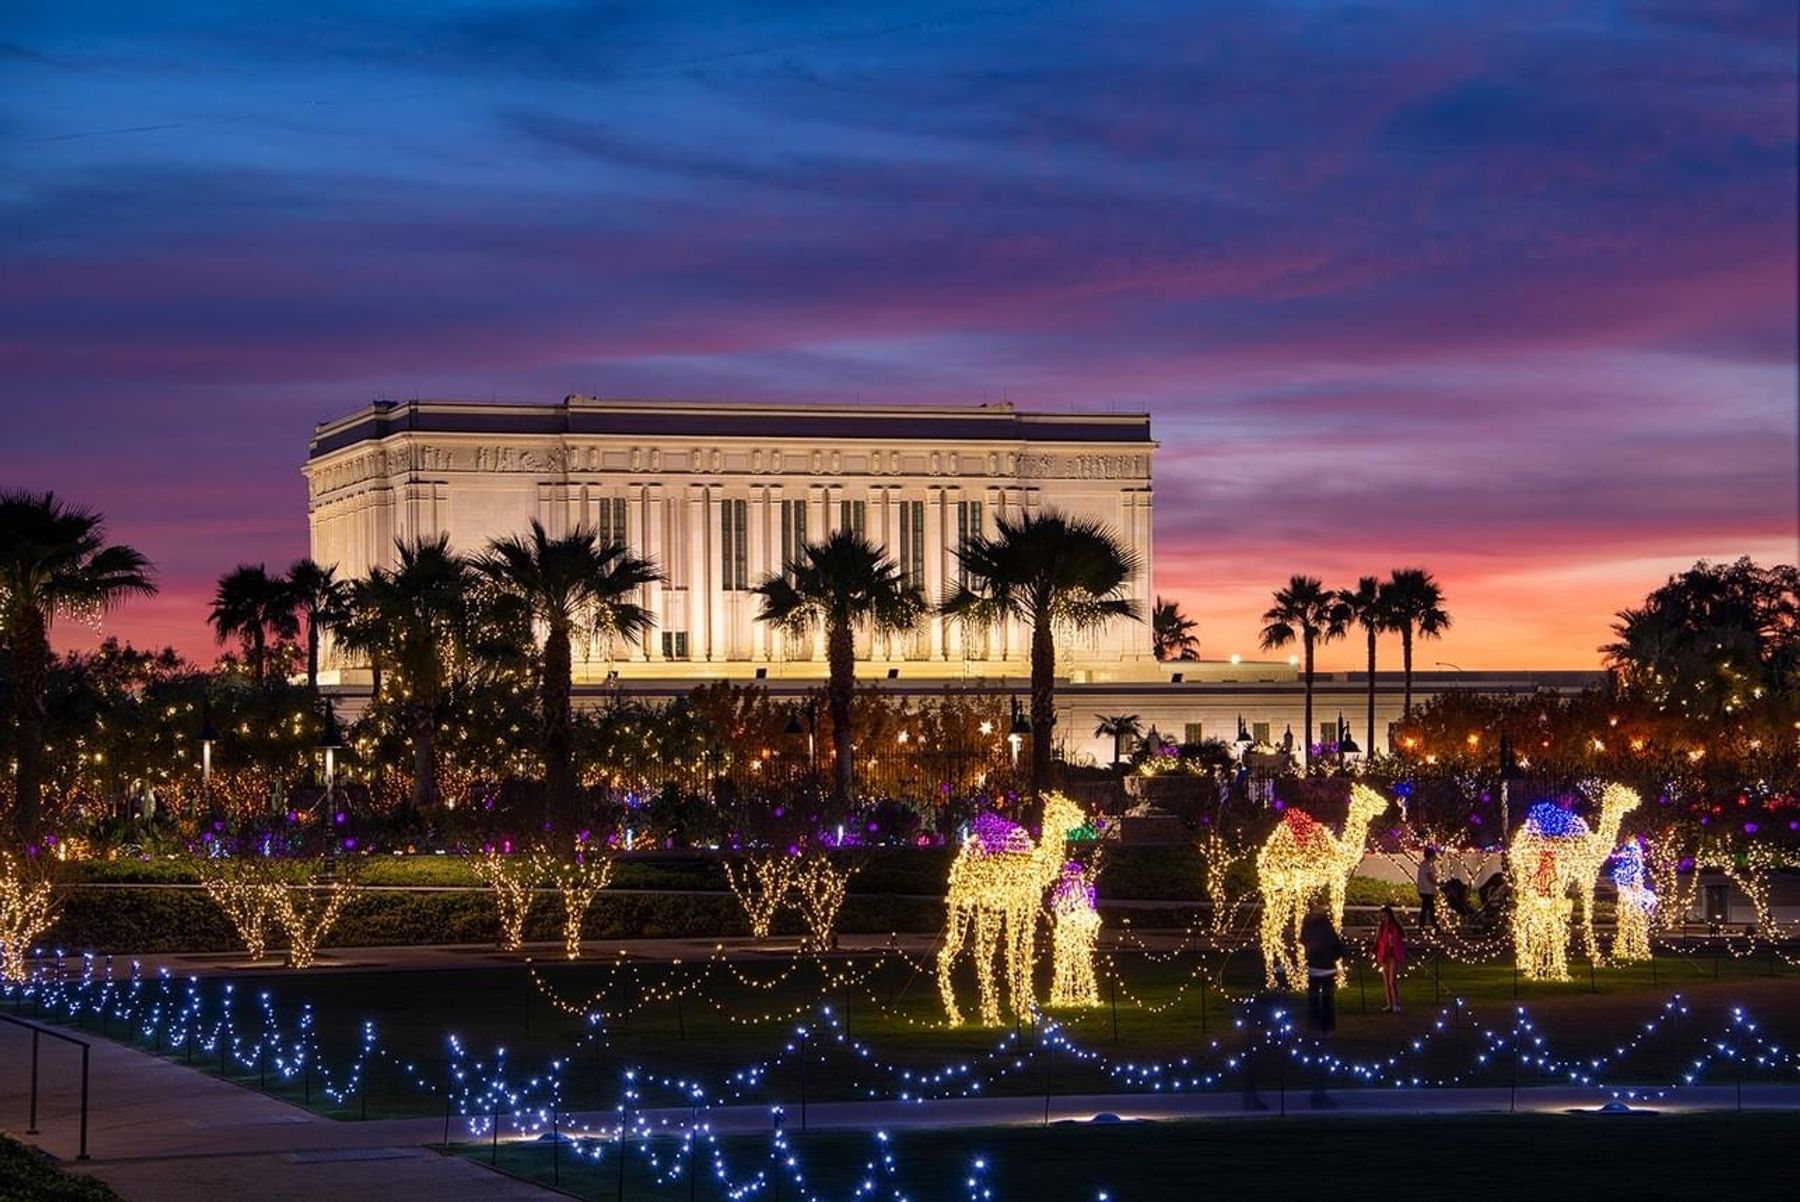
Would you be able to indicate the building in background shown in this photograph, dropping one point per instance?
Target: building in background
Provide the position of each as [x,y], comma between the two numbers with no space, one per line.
[719,496]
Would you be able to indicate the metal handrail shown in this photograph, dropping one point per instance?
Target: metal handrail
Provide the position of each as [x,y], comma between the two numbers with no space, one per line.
[38,1030]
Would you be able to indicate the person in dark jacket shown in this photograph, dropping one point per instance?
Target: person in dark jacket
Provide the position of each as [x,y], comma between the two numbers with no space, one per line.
[1324,949]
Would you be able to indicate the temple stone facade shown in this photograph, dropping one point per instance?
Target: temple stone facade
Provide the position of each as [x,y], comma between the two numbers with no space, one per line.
[719,496]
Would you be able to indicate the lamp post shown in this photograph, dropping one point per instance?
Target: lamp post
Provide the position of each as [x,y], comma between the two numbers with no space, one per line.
[1021,727]
[1348,751]
[1509,772]
[811,730]
[330,743]
[1243,742]
[208,736]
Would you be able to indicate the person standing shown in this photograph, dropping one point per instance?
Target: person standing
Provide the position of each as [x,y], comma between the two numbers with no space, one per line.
[1428,889]
[1390,954]
[1323,950]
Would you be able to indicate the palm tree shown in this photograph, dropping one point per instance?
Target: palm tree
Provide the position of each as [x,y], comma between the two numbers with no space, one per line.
[568,585]
[842,583]
[53,558]
[425,602]
[363,630]
[1118,727]
[1172,632]
[316,593]
[251,606]
[1309,612]
[1417,608]
[1370,605]
[1052,572]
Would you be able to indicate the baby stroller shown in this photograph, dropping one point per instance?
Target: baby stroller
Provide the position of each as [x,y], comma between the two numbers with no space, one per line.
[1482,912]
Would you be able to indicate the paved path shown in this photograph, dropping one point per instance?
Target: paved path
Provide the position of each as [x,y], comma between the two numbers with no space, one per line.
[161,1132]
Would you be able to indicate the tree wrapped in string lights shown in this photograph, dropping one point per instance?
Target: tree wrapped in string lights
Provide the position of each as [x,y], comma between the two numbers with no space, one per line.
[27,908]
[996,890]
[307,910]
[1074,931]
[1633,905]
[513,878]
[761,883]
[1553,853]
[819,887]
[1301,863]
[579,879]
[246,887]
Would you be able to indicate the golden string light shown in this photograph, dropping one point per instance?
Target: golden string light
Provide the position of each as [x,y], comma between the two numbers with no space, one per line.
[1633,905]
[1301,864]
[307,913]
[513,878]
[818,888]
[1553,853]
[1074,931]
[245,888]
[27,909]
[761,884]
[579,879]
[996,889]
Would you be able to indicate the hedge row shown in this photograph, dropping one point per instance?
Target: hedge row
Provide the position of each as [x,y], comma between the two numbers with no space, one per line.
[183,920]
[1130,873]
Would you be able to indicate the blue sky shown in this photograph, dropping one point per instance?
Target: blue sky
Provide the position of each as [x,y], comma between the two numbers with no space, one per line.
[1507,291]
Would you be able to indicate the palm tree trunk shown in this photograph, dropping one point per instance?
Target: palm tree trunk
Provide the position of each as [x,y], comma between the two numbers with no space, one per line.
[559,764]
[1406,670]
[30,668]
[840,651]
[1369,748]
[1043,700]
[258,654]
[374,677]
[1306,734]
[312,656]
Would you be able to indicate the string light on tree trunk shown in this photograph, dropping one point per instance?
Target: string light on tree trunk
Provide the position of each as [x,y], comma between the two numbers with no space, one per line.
[27,909]
[579,879]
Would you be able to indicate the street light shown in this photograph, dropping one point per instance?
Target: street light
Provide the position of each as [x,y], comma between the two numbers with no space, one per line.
[208,736]
[330,742]
[1021,727]
[794,729]
[1348,751]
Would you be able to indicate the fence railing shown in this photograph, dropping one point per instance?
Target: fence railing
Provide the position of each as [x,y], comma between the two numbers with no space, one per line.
[37,1033]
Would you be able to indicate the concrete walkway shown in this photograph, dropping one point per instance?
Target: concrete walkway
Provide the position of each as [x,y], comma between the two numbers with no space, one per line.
[161,1132]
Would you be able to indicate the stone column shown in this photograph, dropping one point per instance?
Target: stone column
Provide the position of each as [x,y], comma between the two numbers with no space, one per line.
[699,583]
[656,544]
[761,563]
[937,517]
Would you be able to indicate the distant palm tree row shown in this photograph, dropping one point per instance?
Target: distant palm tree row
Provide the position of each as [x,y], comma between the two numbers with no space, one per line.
[436,610]
[1409,603]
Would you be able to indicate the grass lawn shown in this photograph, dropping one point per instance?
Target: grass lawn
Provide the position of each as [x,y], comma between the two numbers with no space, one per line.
[1472,1157]
[742,1013]
[27,1175]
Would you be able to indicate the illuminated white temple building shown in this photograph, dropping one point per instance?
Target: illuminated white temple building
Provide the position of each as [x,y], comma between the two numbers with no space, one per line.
[720,496]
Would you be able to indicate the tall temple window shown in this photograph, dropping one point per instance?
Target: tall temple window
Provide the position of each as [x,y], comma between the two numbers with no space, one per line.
[912,542]
[968,528]
[734,545]
[793,532]
[675,644]
[851,516]
[610,526]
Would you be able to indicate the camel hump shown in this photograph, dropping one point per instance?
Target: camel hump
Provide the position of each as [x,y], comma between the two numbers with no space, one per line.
[1305,829]
[993,835]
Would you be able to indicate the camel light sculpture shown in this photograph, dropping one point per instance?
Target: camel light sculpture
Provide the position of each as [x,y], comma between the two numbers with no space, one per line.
[1635,901]
[995,893]
[1074,930]
[1302,861]
[1553,853]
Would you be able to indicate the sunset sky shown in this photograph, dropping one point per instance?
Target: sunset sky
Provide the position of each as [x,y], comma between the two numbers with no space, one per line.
[1502,290]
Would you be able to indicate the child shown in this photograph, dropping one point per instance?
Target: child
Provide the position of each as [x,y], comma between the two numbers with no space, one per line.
[1390,954]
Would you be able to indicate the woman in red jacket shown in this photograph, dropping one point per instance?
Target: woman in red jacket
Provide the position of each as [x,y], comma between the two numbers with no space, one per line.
[1390,954]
